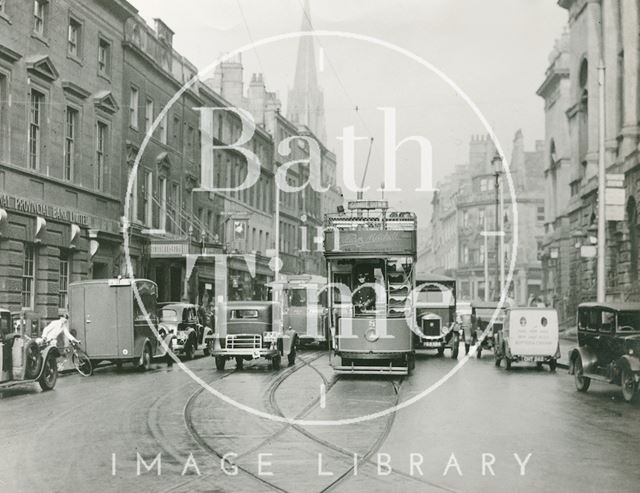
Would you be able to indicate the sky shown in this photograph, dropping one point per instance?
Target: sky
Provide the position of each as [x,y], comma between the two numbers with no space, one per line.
[496,51]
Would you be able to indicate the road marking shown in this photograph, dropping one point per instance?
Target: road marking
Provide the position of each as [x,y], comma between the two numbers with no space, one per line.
[323,396]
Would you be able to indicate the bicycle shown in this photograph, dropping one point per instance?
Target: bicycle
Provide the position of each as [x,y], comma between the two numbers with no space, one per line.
[79,358]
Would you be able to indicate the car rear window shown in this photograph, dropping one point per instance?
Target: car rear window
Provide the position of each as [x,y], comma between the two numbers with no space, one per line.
[244,314]
[168,315]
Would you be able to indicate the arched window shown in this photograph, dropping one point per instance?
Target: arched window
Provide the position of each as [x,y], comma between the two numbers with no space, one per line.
[632,220]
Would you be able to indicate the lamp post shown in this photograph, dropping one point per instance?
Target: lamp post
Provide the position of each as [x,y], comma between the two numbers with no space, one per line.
[601,267]
[496,162]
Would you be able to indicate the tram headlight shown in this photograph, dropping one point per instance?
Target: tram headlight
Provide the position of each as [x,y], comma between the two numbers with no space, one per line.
[371,335]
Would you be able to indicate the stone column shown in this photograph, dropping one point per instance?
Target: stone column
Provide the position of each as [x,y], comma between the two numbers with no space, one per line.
[631,61]
[611,50]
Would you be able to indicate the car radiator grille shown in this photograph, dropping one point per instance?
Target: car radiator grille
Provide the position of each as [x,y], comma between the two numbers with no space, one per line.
[242,341]
[431,327]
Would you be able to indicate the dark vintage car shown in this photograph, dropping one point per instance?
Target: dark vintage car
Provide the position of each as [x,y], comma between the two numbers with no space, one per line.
[608,347]
[189,333]
[23,359]
[481,315]
[436,314]
[252,330]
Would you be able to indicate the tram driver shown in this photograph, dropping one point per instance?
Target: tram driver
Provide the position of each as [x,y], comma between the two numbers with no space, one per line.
[364,295]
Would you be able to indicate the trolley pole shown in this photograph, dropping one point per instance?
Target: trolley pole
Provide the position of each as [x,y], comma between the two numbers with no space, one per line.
[601,272]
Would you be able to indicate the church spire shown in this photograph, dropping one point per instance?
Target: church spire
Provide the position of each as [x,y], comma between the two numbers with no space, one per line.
[306,101]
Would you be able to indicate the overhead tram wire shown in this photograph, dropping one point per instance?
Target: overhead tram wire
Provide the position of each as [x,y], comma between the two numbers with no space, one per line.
[335,72]
[246,25]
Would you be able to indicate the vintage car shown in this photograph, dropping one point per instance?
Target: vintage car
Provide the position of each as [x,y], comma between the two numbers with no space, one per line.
[250,331]
[529,334]
[436,314]
[304,299]
[23,360]
[189,334]
[481,314]
[608,347]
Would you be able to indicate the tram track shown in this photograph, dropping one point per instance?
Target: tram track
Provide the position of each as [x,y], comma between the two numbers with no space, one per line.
[204,445]
[274,408]
[365,458]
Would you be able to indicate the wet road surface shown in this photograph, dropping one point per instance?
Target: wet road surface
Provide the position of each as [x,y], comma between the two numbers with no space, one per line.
[529,427]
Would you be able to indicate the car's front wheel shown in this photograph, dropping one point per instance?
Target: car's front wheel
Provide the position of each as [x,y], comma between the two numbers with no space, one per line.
[582,382]
[189,351]
[239,362]
[629,385]
[49,376]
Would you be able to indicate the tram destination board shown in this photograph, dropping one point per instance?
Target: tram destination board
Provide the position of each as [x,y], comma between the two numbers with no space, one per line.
[363,241]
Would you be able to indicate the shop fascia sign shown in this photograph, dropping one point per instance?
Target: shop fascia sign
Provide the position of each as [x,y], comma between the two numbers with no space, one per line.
[28,206]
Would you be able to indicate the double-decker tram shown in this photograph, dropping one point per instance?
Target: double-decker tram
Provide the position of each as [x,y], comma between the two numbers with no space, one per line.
[371,258]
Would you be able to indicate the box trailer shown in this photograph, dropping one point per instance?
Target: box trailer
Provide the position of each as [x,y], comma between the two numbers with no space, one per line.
[112,325]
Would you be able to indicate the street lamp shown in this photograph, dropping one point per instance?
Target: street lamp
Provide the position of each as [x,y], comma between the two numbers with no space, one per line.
[496,162]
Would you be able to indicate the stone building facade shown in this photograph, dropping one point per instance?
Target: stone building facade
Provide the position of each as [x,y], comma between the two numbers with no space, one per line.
[81,86]
[465,206]
[61,110]
[606,30]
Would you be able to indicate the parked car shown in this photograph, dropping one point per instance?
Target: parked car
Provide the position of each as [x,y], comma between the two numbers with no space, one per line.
[189,333]
[22,359]
[481,315]
[106,316]
[608,347]
[529,334]
[249,332]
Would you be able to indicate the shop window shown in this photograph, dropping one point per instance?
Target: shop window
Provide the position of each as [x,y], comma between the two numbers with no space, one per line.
[28,276]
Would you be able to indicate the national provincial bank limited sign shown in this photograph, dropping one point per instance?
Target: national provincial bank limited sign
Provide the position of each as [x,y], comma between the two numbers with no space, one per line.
[56,213]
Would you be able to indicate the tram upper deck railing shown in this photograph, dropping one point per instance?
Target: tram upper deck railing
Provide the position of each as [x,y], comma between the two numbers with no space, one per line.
[368,215]
[367,228]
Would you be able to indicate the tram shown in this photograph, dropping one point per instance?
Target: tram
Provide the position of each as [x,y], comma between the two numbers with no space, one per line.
[371,258]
